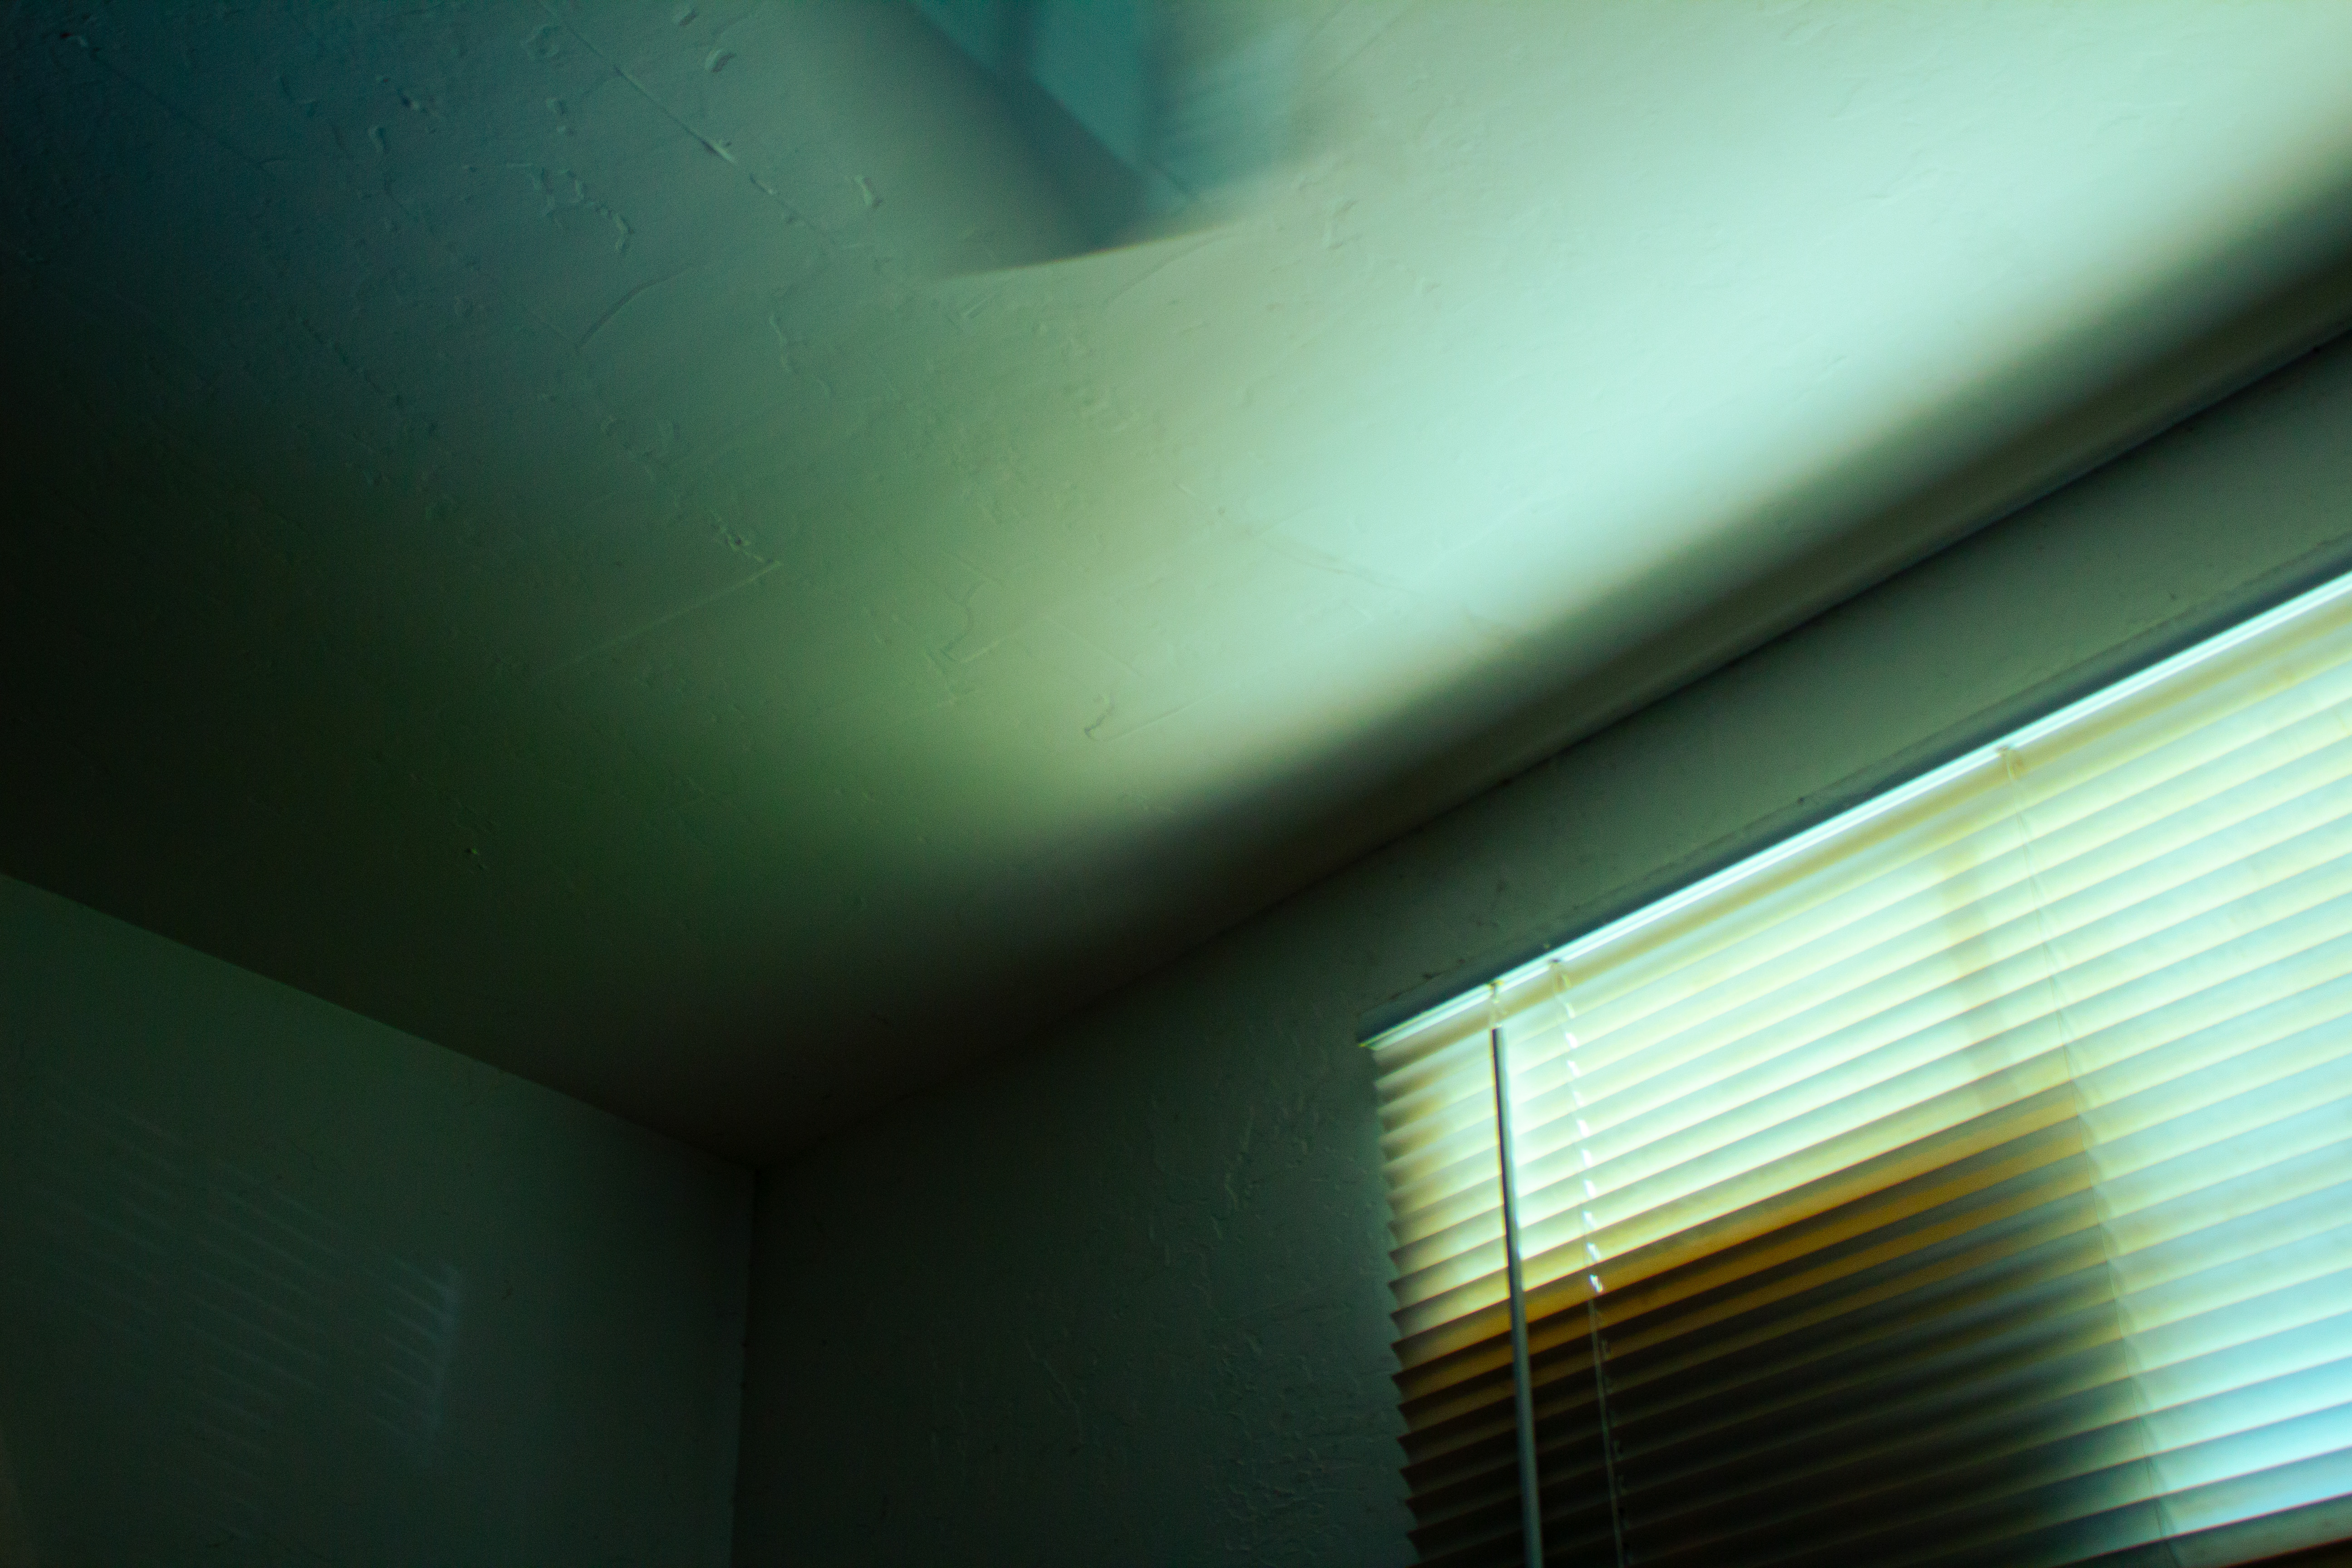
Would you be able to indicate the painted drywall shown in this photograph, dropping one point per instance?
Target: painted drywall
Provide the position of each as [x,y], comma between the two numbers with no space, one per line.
[280,1285]
[590,530]
[1120,1297]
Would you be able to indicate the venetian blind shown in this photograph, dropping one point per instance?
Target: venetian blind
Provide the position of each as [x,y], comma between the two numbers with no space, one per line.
[1967,1181]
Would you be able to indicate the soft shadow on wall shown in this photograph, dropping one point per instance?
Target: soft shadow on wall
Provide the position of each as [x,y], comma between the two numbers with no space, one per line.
[268,1342]
[1139,113]
[279,1285]
[16,1536]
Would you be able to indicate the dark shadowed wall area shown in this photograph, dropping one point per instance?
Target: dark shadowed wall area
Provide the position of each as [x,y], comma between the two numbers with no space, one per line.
[280,1285]
[1120,1297]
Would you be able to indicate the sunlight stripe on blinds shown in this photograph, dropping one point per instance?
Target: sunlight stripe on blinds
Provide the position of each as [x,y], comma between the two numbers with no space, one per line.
[1966,1180]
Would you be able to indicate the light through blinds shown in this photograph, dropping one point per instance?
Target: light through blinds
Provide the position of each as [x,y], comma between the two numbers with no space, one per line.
[1967,1181]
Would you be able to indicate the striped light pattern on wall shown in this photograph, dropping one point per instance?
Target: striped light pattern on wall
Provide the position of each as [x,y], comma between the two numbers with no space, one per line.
[1967,1181]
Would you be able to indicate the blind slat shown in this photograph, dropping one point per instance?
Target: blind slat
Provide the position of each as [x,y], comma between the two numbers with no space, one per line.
[1967,1182]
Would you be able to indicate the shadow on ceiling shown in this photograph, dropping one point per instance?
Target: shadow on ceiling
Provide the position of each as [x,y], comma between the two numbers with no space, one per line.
[1136,111]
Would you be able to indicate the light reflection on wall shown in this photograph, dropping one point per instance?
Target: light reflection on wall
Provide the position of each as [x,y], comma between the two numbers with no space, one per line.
[249,1333]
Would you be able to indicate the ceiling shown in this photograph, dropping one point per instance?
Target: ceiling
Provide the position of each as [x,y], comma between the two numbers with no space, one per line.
[638,540]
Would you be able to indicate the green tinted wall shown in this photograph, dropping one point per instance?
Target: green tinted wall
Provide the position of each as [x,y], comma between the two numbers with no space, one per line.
[280,1285]
[1121,1296]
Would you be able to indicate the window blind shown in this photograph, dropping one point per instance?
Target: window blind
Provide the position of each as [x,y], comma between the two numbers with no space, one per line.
[1967,1181]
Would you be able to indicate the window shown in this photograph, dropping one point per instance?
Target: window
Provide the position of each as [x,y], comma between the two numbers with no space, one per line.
[1967,1181]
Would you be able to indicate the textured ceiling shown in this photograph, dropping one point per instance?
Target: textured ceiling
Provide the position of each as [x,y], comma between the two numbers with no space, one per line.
[603,535]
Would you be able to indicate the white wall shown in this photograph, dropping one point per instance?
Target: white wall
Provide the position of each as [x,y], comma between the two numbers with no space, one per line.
[280,1285]
[1120,1298]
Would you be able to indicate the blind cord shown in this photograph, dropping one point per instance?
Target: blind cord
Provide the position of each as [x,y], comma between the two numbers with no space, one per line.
[1598,1346]
[1522,1380]
[1608,1434]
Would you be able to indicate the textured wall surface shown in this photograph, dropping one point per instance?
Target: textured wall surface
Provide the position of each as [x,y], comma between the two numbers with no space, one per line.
[1119,1298]
[279,1285]
[616,535]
